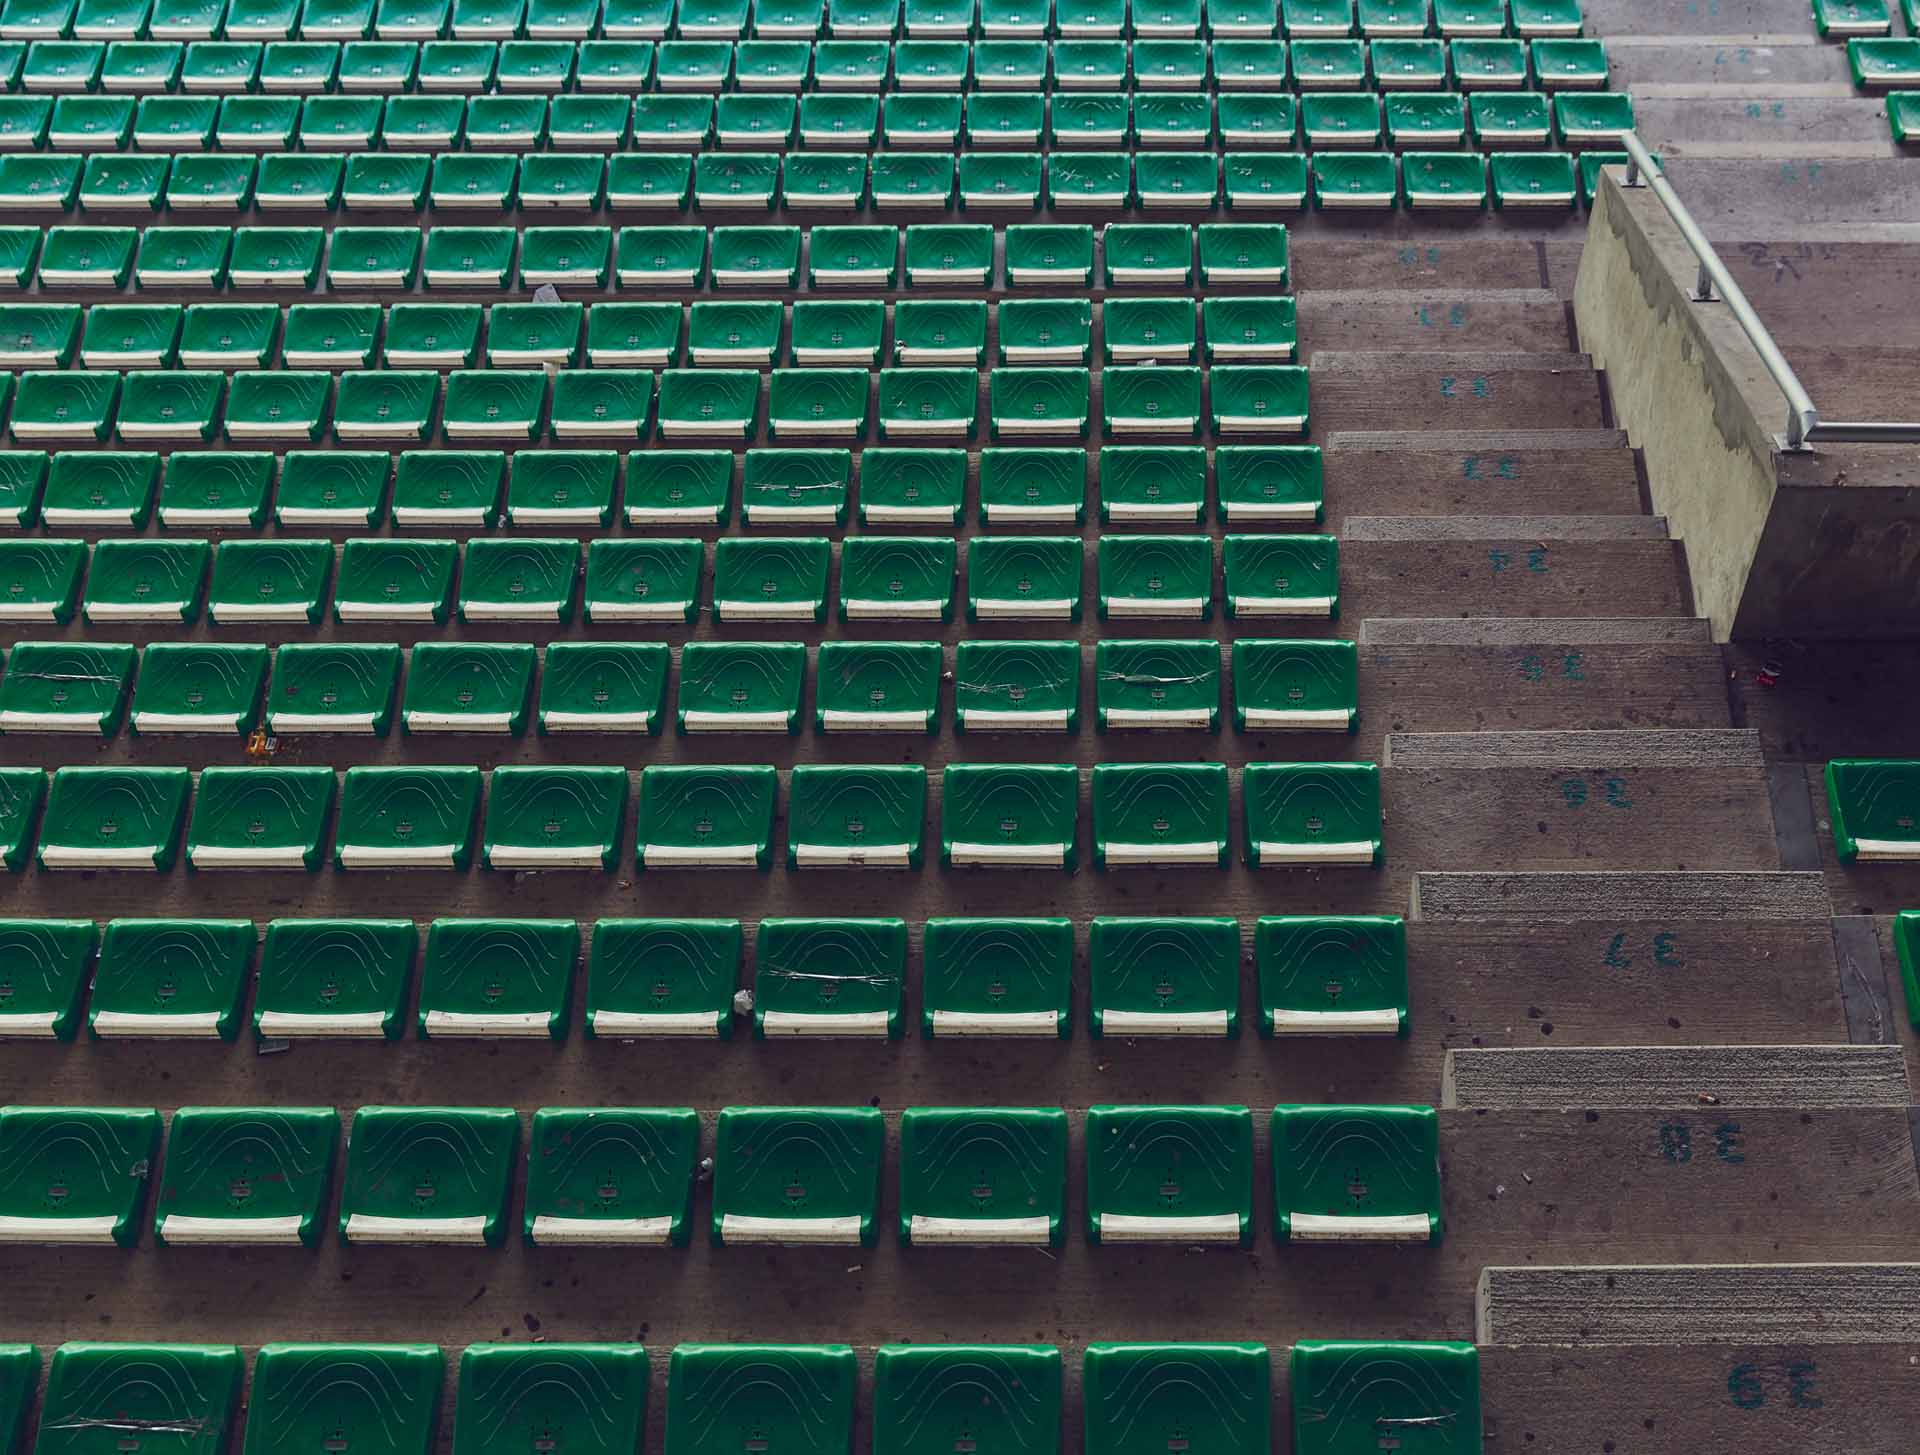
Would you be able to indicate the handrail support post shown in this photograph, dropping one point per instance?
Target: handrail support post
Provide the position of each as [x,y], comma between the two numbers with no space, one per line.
[1703,285]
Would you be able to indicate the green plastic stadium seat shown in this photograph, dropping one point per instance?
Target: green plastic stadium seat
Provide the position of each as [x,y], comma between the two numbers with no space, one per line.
[23,478]
[448,488]
[400,1160]
[1260,119]
[40,579]
[162,123]
[844,816]
[756,257]
[1033,486]
[1171,65]
[928,1396]
[603,404]
[553,182]
[168,978]
[48,961]
[927,332]
[663,977]
[395,1400]
[395,580]
[338,20]
[172,404]
[796,486]
[697,817]
[1170,119]
[1416,120]
[432,336]
[1331,975]
[912,486]
[147,581]
[422,124]
[1005,118]
[473,182]
[387,404]
[897,578]
[721,404]
[1321,18]
[827,332]
[1017,686]
[663,183]
[1105,19]
[991,181]
[333,687]
[1568,65]
[911,181]
[566,256]
[1591,163]
[1490,65]
[292,66]
[554,818]
[408,818]
[1330,65]
[536,334]
[693,65]
[513,1395]
[95,1387]
[1156,576]
[828,119]
[62,65]
[1042,255]
[1533,19]
[770,580]
[679,487]
[216,490]
[544,66]
[1394,18]
[306,183]
[495,404]
[1457,19]
[334,977]
[1172,1174]
[744,181]
[468,687]
[221,67]
[1906,924]
[978,1177]
[267,580]
[782,1175]
[228,335]
[519,579]
[623,66]
[928,403]
[741,686]
[878,687]
[100,1160]
[788,19]
[857,19]
[1265,181]
[615,686]
[1164,977]
[718,1394]
[488,20]
[80,257]
[23,122]
[56,687]
[335,488]
[200,687]
[1312,814]
[257,818]
[211,183]
[1159,815]
[827,977]
[1094,119]
[22,791]
[1532,181]
[1341,119]
[39,336]
[747,119]
[100,490]
[1871,805]
[1282,576]
[373,257]
[916,119]
[1355,180]
[1149,330]
[734,334]
[1456,181]
[1152,400]
[470,257]
[852,257]
[1149,253]
[772,64]
[1025,578]
[1039,402]
[1013,816]
[851,65]
[1090,64]
[1342,1386]
[616,1176]
[1157,684]
[340,123]
[1261,399]
[1307,685]
[1356,1174]
[1409,65]
[1510,119]
[1046,331]
[37,19]
[113,183]
[1842,19]
[411,20]
[278,407]
[997,977]
[1598,118]
[562,487]
[120,21]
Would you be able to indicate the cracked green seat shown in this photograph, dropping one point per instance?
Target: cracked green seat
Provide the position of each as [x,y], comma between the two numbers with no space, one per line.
[1598,118]
[1046,331]
[699,817]
[663,977]
[928,403]
[269,581]
[1282,575]
[96,1389]
[1165,576]
[67,406]
[782,1175]
[514,1396]
[709,404]
[1159,815]
[40,579]
[497,977]
[1355,180]
[855,816]
[1010,816]
[47,963]
[385,404]
[1164,976]
[332,488]
[1157,684]
[61,687]
[613,1176]
[679,487]
[79,1175]
[407,818]
[1532,181]
[797,486]
[147,581]
[433,1175]
[333,687]
[949,255]
[468,687]
[1259,399]
[979,1177]
[199,687]
[1295,686]
[171,978]
[833,331]
[1510,119]
[1172,1174]
[719,1395]
[1024,578]
[520,578]
[100,490]
[334,978]
[941,331]
[249,1176]
[1089,179]
[1151,400]
[1344,1392]
[604,686]
[900,486]
[448,488]
[643,580]
[878,687]
[1331,975]
[1312,814]
[1568,65]
[1265,181]
[1874,807]
[817,404]
[1248,329]
[1356,1174]
[1016,686]
[741,686]
[771,580]
[829,977]
[554,817]
[997,977]
[662,257]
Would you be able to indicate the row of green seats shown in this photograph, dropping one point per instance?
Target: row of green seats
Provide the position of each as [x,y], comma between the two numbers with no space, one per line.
[784,19]
[839,816]
[1225,328]
[536,579]
[1314,975]
[591,1399]
[611,686]
[551,68]
[1884,65]
[469,490]
[788,1175]
[503,406]
[413,133]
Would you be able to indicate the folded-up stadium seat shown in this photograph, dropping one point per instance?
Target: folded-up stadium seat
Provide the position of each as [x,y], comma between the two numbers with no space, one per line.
[1171,1174]
[395,580]
[1361,1174]
[468,687]
[694,816]
[171,978]
[782,1175]
[102,1160]
[1295,686]
[333,687]
[979,1177]
[1163,976]
[1009,815]
[435,1175]
[1163,815]
[1331,975]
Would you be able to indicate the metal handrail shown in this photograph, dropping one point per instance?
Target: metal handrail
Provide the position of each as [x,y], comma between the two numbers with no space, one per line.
[1804,425]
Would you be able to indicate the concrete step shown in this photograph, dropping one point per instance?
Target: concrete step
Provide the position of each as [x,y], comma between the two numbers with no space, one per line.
[1427,259]
[1462,390]
[1811,294]
[1777,67]
[1409,473]
[1846,200]
[1769,128]
[1719,1304]
[1673,799]
[1676,1076]
[1432,320]
[1699,895]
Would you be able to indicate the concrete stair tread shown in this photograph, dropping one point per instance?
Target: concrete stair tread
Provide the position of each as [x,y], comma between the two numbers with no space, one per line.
[1710,894]
[1821,1075]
